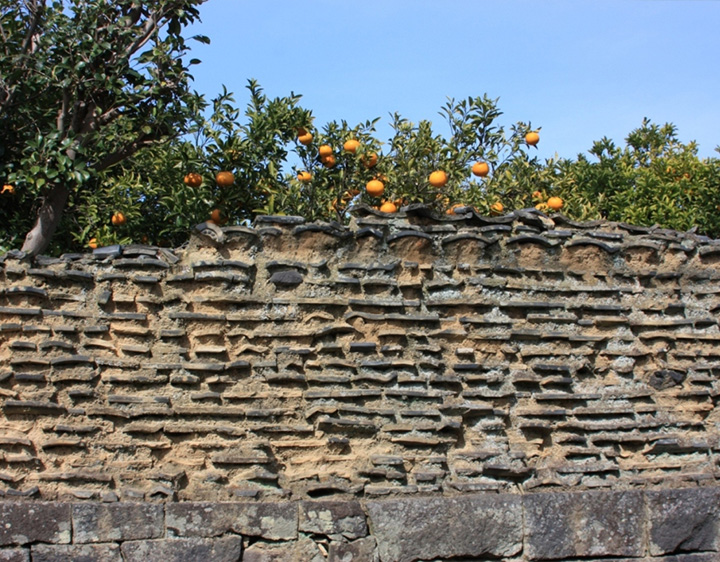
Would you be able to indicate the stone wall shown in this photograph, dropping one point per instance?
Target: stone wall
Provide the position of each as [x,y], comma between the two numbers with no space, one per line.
[403,360]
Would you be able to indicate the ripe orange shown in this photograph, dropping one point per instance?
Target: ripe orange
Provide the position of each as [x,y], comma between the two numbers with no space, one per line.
[532,138]
[193,179]
[370,160]
[453,210]
[118,219]
[541,207]
[555,203]
[351,145]
[93,243]
[216,216]
[438,178]
[304,176]
[388,207]
[7,188]
[375,188]
[325,150]
[224,179]
[497,208]
[481,169]
[305,138]
[328,161]
[537,195]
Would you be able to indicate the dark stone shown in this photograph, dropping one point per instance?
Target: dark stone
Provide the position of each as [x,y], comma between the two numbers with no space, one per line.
[271,521]
[666,378]
[225,549]
[584,524]
[76,553]
[684,520]
[430,528]
[100,522]
[14,555]
[361,550]
[27,522]
[286,278]
[333,518]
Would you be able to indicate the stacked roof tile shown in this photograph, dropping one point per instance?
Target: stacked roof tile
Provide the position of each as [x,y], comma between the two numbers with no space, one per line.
[403,354]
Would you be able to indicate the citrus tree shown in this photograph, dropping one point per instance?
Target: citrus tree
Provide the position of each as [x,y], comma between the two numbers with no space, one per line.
[653,179]
[84,85]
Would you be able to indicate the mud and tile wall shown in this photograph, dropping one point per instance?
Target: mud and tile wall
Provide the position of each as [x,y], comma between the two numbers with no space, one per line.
[401,356]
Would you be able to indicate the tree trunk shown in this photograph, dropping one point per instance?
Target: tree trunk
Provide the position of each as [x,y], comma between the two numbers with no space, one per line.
[47,221]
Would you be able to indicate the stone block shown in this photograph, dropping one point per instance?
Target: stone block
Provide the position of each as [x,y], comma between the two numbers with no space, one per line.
[684,520]
[14,555]
[344,518]
[76,553]
[271,521]
[584,524]
[27,522]
[100,522]
[361,550]
[429,528]
[303,549]
[225,549]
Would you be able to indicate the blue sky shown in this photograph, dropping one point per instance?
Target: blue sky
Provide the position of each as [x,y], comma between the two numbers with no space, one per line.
[579,69]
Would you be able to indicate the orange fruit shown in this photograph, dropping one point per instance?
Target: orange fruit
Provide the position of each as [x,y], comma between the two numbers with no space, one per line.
[118,219]
[304,177]
[370,160]
[325,150]
[481,169]
[541,207]
[497,208]
[375,188]
[532,138]
[305,138]
[388,207]
[351,145]
[555,203]
[224,179]
[193,179]
[216,216]
[537,195]
[7,188]
[93,243]
[438,178]
[328,161]
[452,210]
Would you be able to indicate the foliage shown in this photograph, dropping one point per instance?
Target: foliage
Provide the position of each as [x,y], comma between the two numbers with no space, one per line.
[84,84]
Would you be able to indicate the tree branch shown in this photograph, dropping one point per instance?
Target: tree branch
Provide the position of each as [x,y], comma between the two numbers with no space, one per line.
[126,152]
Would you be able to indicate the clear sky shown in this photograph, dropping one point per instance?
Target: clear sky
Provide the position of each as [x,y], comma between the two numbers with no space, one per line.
[579,69]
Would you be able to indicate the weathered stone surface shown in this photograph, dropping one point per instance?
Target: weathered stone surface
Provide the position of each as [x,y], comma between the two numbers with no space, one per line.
[76,553]
[361,550]
[271,521]
[684,520]
[27,522]
[584,524]
[101,522]
[14,555]
[333,518]
[303,549]
[225,549]
[423,529]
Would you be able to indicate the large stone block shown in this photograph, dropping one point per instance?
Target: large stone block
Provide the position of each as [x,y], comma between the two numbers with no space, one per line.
[428,528]
[27,522]
[584,524]
[102,522]
[333,518]
[14,555]
[76,553]
[684,520]
[272,521]
[224,549]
